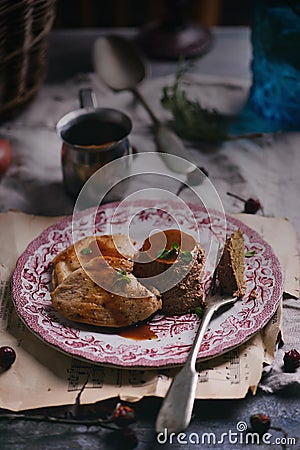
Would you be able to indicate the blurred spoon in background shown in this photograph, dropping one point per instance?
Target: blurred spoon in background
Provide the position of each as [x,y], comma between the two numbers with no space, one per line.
[120,67]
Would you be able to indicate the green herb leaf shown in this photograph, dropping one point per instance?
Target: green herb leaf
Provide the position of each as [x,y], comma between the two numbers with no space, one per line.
[86,251]
[191,120]
[169,254]
[249,253]
[123,275]
[186,256]
[163,253]
[199,311]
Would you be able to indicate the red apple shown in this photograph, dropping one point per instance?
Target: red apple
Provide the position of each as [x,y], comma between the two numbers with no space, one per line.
[5,155]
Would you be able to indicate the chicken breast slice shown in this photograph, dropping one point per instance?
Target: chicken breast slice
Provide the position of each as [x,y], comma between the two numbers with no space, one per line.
[119,301]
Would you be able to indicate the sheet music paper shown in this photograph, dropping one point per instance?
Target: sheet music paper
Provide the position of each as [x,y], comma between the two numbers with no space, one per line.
[42,376]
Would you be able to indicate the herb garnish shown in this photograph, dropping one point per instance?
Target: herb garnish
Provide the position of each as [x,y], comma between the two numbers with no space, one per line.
[194,122]
[186,256]
[123,275]
[169,254]
[249,253]
[191,120]
[86,251]
[199,311]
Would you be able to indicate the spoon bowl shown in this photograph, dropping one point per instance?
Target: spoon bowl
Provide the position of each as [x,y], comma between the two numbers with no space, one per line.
[118,63]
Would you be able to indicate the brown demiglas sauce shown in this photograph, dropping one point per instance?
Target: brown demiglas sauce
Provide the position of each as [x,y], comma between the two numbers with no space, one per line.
[140,332]
[164,240]
[96,248]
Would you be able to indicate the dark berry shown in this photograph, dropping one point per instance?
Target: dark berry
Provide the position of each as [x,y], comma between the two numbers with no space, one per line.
[123,415]
[7,357]
[260,423]
[291,360]
[252,205]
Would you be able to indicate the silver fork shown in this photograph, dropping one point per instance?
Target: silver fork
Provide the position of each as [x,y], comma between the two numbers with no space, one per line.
[176,411]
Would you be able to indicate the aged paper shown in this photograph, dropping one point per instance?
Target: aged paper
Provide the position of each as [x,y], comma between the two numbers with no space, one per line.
[42,376]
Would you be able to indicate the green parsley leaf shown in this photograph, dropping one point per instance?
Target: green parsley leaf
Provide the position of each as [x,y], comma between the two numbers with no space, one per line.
[163,254]
[186,256]
[249,253]
[169,254]
[123,275]
[199,311]
[86,251]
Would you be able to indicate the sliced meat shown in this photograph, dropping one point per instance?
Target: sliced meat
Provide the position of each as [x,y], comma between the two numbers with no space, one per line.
[187,292]
[73,257]
[123,301]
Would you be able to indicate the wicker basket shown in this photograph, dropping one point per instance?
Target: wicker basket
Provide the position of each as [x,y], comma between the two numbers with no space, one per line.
[24,30]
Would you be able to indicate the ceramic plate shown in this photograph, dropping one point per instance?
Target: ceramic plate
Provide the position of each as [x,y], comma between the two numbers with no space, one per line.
[31,292]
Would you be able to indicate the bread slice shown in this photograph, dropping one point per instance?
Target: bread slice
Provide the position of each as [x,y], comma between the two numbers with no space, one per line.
[230,270]
[123,301]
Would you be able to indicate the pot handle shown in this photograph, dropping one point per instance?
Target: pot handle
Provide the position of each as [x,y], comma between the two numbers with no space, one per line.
[87,98]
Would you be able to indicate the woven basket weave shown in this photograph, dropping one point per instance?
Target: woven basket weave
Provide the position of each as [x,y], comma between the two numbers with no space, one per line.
[24,30]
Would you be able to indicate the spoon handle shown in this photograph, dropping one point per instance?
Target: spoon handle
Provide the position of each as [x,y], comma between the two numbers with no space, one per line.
[145,104]
[167,142]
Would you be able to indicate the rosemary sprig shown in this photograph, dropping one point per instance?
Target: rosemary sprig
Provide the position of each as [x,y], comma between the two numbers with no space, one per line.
[194,122]
[191,120]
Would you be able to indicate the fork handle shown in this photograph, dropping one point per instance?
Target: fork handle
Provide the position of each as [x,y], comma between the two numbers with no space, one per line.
[192,356]
[176,411]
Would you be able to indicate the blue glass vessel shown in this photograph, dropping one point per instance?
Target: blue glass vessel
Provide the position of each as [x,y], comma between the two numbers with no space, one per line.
[275,91]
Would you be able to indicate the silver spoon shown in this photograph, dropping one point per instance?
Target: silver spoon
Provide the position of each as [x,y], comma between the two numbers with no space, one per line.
[120,66]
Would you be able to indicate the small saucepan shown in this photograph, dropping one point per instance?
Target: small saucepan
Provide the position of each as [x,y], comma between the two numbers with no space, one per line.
[92,137]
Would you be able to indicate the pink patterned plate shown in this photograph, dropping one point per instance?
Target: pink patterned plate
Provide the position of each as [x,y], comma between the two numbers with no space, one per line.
[31,292]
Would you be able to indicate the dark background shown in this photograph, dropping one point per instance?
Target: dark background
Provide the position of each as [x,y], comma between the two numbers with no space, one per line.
[127,13]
